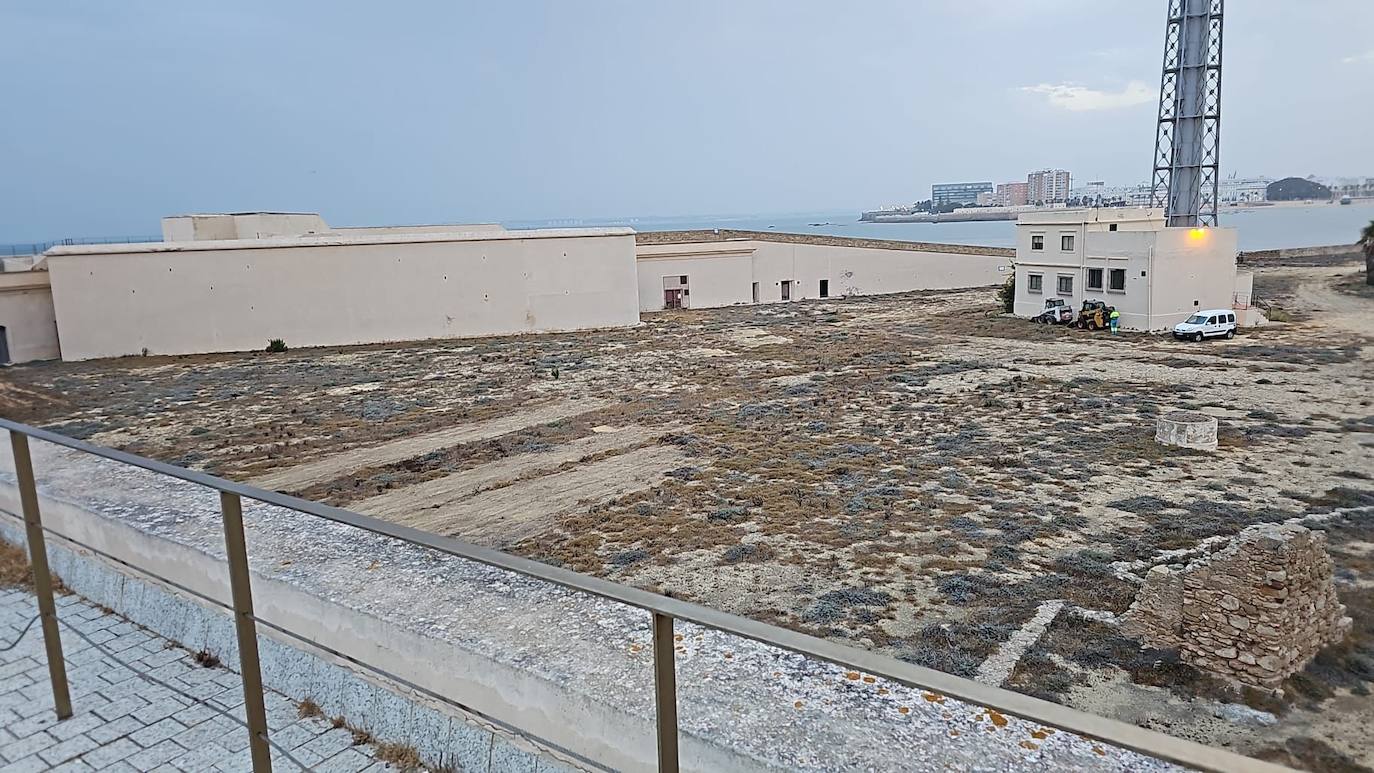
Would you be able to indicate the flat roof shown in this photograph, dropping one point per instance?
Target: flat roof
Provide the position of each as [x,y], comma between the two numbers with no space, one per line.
[644,238]
[333,240]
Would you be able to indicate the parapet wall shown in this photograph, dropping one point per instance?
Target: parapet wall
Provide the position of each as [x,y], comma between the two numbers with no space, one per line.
[730,234]
[1254,612]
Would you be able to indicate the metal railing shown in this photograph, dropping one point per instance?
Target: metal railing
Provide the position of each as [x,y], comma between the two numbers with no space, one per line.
[25,249]
[664,610]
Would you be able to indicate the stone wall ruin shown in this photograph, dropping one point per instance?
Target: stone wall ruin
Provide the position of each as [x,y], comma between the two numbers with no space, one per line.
[1255,611]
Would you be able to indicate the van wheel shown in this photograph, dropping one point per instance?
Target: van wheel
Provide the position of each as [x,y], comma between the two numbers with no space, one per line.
[1231,333]
[1197,337]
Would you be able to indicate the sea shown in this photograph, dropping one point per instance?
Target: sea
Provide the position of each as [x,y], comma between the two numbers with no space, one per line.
[1260,228]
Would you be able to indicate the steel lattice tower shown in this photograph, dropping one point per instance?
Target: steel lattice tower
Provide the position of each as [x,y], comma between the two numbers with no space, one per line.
[1188,138]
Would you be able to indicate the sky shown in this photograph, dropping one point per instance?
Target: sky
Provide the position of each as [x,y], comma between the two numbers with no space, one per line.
[419,111]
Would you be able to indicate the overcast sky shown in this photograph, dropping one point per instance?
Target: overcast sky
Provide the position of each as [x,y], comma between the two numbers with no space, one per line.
[114,114]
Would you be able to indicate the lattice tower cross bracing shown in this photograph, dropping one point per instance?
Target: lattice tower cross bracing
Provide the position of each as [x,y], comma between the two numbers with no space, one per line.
[1188,137]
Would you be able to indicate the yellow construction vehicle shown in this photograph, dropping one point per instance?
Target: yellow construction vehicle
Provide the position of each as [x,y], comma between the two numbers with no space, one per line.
[1093,315]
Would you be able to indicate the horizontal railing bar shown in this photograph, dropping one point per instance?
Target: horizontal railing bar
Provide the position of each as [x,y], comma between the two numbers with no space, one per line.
[1111,731]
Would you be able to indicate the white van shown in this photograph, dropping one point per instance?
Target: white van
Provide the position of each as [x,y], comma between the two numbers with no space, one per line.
[1208,323]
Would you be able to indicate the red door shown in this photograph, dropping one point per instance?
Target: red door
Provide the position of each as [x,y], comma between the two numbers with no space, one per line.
[672,299]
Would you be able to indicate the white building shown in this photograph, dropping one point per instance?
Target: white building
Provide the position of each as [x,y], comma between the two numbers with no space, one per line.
[1048,186]
[688,270]
[1126,257]
[1243,190]
[233,282]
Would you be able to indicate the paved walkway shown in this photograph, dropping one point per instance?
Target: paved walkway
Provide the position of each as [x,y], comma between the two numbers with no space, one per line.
[123,722]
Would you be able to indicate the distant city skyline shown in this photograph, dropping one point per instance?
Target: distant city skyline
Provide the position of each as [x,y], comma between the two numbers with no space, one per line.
[120,114]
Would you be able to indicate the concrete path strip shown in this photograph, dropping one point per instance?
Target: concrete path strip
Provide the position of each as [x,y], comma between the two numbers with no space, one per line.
[999,665]
[450,489]
[520,510]
[331,467]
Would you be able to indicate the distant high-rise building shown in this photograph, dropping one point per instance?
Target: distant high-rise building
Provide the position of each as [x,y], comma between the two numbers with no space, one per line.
[942,194]
[1048,186]
[1011,194]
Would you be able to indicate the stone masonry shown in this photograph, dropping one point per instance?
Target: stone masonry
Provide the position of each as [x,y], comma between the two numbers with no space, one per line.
[1255,612]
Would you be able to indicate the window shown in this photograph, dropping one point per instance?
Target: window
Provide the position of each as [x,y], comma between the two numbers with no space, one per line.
[1118,280]
[1111,227]
[1037,241]
[825,288]
[1035,283]
[786,290]
[1094,279]
[1211,320]
[1196,319]
[682,280]
[1230,318]
[1066,242]
[1066,285]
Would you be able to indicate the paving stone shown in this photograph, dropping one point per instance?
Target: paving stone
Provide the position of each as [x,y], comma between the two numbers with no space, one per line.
[27,745]
[347,761]
[152,734]
[203,757]
[156,755]
[68,749]
[74,726]
[110,753]
[30,764]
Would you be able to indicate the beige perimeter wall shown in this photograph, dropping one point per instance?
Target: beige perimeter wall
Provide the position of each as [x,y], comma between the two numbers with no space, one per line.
[26,313]
[723,273]
[186,299]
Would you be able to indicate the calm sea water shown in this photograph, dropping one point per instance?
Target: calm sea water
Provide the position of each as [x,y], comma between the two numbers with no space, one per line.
[1258,229]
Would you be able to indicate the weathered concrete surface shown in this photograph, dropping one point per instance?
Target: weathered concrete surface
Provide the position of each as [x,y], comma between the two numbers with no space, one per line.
[1254,612]
[446,492]
[333,466]
[1187,429]
[524,509]
[1000,664]
[531,655]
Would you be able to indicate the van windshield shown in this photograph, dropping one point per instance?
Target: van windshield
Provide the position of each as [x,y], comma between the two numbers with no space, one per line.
[1196,319]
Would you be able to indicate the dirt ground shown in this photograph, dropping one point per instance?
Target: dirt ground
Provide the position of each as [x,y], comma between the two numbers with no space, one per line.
[913,474]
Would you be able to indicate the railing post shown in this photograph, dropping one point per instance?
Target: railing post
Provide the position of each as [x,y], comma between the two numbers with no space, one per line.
[232,509]
[665,692]
[42,578]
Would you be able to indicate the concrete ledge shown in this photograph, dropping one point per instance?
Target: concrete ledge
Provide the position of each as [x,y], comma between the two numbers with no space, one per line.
[569,670]
[727,234]
[333,240]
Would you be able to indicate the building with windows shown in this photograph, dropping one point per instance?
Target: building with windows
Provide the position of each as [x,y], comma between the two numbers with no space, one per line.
[1010,194]
[1243,190]
[1155,276]
[706,269]
[234,282]
[943,194]
[1048,186]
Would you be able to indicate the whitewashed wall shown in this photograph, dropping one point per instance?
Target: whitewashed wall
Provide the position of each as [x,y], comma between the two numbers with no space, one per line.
[212,296]
[26,312]
[722,273]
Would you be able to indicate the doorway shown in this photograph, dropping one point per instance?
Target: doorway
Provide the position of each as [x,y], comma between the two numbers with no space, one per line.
[4,346]
[786,290]
[676,292]
[825,288]
[755,291]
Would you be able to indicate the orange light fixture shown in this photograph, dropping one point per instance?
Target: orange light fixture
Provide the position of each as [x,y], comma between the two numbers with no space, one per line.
[1197,234]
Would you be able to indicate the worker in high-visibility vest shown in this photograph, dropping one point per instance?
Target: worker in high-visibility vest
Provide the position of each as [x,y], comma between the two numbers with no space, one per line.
[1114,319]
